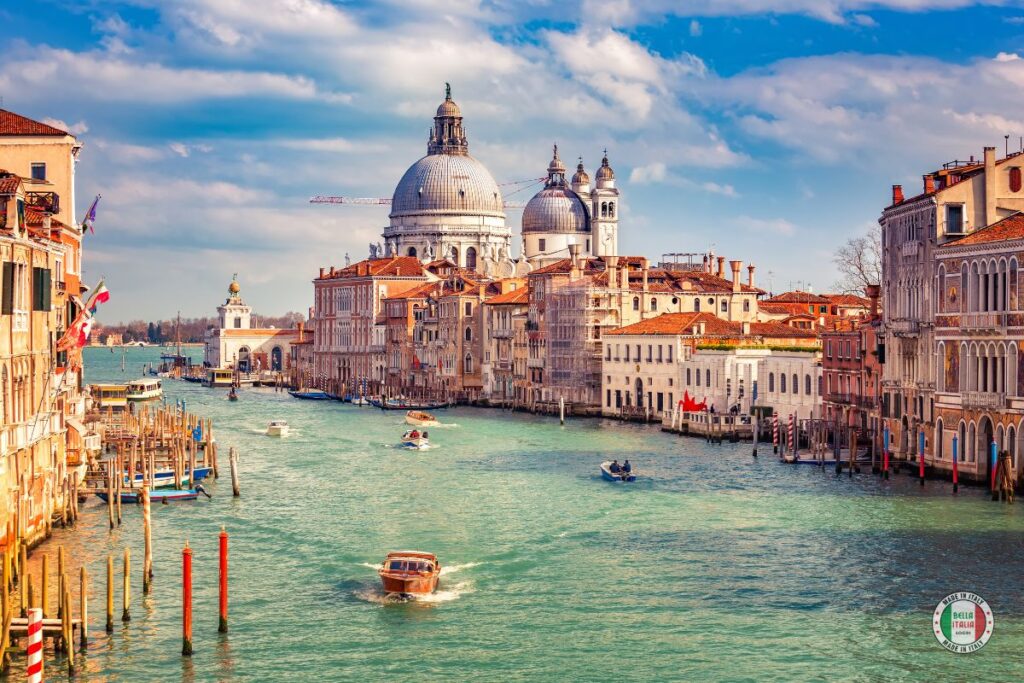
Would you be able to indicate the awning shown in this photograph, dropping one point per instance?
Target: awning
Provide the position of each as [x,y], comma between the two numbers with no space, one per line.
[77,426]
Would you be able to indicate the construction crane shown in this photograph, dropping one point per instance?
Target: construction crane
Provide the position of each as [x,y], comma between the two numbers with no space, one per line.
[386,201]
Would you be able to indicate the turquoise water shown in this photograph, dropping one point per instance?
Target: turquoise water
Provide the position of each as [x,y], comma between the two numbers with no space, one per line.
[713,566]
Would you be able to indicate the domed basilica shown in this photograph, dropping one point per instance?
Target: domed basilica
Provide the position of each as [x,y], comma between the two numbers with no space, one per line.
[447,205]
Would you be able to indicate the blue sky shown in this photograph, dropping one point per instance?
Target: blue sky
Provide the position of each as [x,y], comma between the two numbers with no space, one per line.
[770,130]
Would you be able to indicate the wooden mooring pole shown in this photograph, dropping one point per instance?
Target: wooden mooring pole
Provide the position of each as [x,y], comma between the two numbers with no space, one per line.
[186,601]
[147,532]
[83,600]
[233,462]
[126,614]
[110,593]
[223,627]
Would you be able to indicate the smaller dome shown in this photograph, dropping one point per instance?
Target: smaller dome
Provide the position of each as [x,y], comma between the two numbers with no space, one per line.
[556,210]
[605,172]
[580,177]
[448,107]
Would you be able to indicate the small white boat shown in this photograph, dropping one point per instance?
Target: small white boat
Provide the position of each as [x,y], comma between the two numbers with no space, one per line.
[418,418]
[415,439]
[145,389]
[277,428]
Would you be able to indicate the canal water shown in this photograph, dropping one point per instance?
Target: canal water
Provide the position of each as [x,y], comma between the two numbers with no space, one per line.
[712,566]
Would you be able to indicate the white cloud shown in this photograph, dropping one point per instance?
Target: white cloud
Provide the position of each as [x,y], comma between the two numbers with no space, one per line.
[1007,57]
[179,149]
[695,28]
[74,128]
[778,226]
[863,20]
[652,173]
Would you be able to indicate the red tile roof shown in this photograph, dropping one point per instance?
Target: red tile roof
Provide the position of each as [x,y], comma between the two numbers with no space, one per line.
[16,124]
[393,266]
[9,184]
[421,292]
[680,323]
[520,295]
[774,309]
[1009,228]
[797,298]
[848,300]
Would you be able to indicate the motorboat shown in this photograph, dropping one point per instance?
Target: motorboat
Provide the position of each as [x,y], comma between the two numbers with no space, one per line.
[419,418]
[158,496]
[277,428]
[109,396]
[608,475]
[145,389]
[415,439]
[164,477]
[408,573]
[404,404]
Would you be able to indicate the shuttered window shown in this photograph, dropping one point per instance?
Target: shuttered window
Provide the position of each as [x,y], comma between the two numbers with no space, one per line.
[41,289]
[7,290]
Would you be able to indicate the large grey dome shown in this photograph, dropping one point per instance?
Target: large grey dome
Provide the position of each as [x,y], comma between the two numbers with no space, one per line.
[447,184]
[556,209]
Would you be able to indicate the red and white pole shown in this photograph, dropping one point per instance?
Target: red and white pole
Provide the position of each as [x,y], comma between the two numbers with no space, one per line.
[775,432]
[186,601]
[35,645]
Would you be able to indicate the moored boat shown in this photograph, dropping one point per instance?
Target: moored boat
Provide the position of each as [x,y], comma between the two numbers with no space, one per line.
[157,496]
[419,418]
[608,475]
[311,395]
[415,439]
[277,428]
[408,573]
[404,404]
[164,477]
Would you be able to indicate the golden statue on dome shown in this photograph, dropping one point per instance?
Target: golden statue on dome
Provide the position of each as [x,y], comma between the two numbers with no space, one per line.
[234,288]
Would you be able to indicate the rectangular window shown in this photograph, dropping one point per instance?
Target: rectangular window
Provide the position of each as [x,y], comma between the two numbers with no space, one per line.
[7,289]
[955,219]
[542,245]
[828,349]
[38,170]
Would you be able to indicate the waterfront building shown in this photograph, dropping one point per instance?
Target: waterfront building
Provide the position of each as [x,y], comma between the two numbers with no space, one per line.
[504,333]
[956,200]
[348,319]
[447,205]
[235,343]
[649,365]
[979,337]
[402,349]
[852,371]
[565,213]
[42,436]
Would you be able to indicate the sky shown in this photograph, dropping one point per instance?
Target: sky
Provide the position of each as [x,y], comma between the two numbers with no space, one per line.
[770,131]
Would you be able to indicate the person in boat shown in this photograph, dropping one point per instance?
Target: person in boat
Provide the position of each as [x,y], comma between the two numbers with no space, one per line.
[425,435]
[626,467]
[615,467]
[414,434]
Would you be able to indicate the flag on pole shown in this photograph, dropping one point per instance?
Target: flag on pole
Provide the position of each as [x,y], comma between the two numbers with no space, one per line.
[100,295]
[90,215]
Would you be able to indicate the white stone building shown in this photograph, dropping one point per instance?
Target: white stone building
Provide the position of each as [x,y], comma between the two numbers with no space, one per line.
[235,343]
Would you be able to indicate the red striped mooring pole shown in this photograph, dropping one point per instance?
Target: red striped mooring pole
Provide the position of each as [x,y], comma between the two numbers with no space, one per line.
[35,645]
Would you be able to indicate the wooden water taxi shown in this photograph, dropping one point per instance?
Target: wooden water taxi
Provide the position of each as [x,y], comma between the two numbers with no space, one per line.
[415,439]
[277,428]
[145,389]
[419,418]
[608,475]
[408,573]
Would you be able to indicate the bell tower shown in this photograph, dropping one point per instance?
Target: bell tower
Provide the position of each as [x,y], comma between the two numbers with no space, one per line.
[604,211]
[233,313]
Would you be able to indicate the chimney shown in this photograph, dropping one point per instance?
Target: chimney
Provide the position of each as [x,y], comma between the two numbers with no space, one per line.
[873,292]
[721,266]
[929,184]
[625,277]
[612,266]
[990,186]
[302,330]
[644,265]
[750,275]
[735,265]
[897,194]
[701,327]
[322,272]
[574,268]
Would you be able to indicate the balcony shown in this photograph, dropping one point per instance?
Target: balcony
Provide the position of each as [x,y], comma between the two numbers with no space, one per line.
[983,322]
[502,334]
[44,201]
[905,326]
[910,248]
[846,399]
[983,399]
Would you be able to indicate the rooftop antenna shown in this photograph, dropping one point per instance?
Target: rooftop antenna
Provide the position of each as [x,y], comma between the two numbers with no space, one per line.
[1006,139]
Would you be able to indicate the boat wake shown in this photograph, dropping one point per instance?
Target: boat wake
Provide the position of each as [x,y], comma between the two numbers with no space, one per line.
[452,568]
[445,594]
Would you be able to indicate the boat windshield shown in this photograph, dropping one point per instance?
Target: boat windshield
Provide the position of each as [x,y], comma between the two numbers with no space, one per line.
[397,564]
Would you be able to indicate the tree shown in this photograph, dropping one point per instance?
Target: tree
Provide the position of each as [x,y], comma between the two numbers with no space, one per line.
[859,262]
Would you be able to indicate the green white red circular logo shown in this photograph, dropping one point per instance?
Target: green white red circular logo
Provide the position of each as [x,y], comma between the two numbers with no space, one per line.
[963,622]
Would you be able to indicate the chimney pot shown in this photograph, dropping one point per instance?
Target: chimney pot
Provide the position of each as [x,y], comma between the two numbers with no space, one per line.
[897,194]
[736,266]
[750,275]
[929,184]
[721,266]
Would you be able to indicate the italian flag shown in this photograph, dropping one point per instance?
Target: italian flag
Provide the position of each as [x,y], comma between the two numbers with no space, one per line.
[100,296]
[962,622]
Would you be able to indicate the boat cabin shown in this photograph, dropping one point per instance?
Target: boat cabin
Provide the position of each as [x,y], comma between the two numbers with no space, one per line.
[145,389]
[217,377]
[109,396]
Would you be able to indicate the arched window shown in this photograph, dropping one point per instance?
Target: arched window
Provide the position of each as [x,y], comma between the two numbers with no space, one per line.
[771,382]
[654,304]
[698,376]
[707,377]
[468,367]
[455,256]
[807,384]
[611,209]
[411,251]
[604,209]
[960,451]
[687,376]
[782,382]
[471,257]
[796,384]
[970,446]
[939,446]
[725,306]
[696,305]
[636,303]
[746,305]
[469,334]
